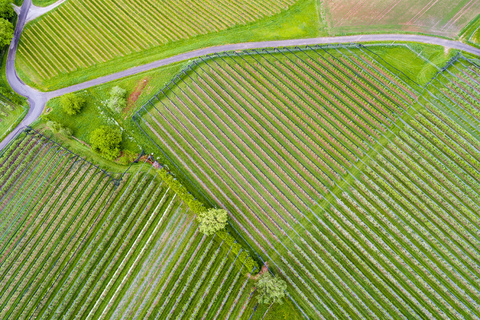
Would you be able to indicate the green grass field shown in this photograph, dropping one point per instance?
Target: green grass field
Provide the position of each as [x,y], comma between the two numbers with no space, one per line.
[152,34]
[79,242]
[440,17]
[358,185]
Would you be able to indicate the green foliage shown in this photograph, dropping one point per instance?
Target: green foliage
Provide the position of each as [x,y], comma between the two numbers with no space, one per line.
[195,206]
[212,220]
[250,265]
[10,95]
[106,142]
[127,157]
[6,32]
[284,311]
[6,9]
[59,128]
[271,289]
[72,103]
[118,99]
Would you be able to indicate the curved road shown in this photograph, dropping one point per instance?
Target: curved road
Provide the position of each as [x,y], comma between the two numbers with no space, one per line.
[37,99]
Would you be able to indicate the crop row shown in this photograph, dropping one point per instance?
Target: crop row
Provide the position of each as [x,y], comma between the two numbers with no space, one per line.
[399,240]
[76,245]
[81,34]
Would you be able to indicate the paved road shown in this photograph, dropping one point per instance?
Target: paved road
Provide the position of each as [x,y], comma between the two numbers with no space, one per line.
[38,99]
[36,12]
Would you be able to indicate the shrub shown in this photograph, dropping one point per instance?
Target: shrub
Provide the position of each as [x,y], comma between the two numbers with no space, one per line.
[250,265]
[58,128]
[118,99]
[182,192]
[11,95]
[72,103]
[106,142]
[127,157]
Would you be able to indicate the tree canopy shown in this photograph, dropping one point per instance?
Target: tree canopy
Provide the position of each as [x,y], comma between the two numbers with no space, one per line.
[106,142]
[6,32]
[212,220]
[271,289]
[118,99]
[72,103]
[6,9]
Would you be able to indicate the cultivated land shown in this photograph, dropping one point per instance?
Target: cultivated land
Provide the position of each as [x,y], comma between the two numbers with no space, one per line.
[78,242]
[10,116]
[359,186]
[471,33]
[290,124]
[80,35]
[346,168]
[440,17]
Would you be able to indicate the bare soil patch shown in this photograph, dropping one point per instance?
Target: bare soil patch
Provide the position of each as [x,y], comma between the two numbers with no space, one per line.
[133,97]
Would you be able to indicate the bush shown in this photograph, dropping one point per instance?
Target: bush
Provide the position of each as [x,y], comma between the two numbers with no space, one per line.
[182,192]
[127,157]
[72,103]
[106,142]
[11,95]
[249,264]
[58,128]
[118,99]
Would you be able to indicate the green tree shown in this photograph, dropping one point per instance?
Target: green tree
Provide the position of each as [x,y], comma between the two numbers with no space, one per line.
[212,220]
[106,142]
[118,99]
[6,9]
[72,103]
[6,32]
[270,289]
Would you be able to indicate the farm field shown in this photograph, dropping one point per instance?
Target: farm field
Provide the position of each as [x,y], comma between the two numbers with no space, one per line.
[280,121]
[471,33]
[43,3]
[357,185]
[10,116]
[70,42]
[76,241]
[439,17]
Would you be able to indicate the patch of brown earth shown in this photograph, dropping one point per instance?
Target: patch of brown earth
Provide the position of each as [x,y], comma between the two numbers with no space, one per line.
[264,269]
[133,97]
[146,158]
